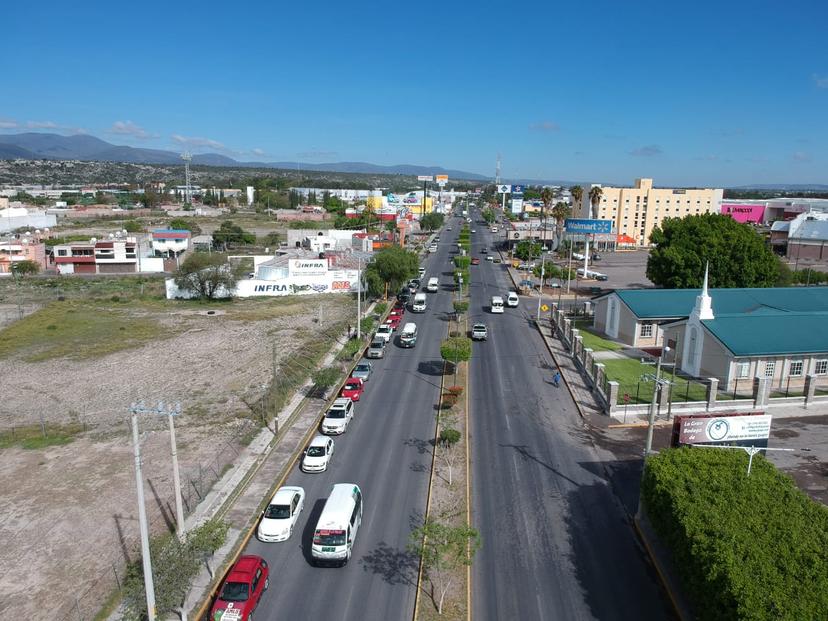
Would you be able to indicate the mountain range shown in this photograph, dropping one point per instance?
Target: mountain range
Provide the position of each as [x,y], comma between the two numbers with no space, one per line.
[36,146]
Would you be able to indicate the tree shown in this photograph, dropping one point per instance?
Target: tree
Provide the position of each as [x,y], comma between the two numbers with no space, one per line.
[443,550]
[595,193]
[456,349]
[229,233]
[561,211]
[150,199]
[526,249]
[24,268]
[133,226]
[737,255]
[206,275]
[577,194]
[547,195]
[549,269]
[391,266]
[460,307]
[185,224]
[432,221]
[488,215]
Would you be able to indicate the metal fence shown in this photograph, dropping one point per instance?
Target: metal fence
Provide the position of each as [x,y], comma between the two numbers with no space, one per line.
[196,483]
[681,390]
[741,388]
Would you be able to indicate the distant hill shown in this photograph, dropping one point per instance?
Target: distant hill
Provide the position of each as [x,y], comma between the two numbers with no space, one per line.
[788,187]
[35,146]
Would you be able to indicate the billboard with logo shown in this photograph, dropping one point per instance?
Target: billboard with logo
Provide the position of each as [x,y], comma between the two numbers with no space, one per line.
[744,212]
[307,267]
[749,429]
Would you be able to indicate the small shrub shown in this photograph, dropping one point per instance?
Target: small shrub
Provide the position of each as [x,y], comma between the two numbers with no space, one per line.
[449,400]
[380,308]
[455,390]
[449,437]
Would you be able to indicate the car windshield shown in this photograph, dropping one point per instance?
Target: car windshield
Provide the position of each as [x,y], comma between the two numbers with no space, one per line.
[353,386]
[235,592]
[377,344]
[316,451]
[336,414]
[362,368]
[384,329]
[277,512]
[329,538]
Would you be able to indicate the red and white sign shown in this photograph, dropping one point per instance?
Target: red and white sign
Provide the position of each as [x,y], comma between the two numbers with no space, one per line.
[341,285]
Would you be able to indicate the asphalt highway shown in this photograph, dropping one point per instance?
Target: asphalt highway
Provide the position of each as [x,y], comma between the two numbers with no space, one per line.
[556,542]
[386,451]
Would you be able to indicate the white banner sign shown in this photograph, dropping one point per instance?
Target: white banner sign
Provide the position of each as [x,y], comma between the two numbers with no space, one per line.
[308,267]
[504,189]
[723,429]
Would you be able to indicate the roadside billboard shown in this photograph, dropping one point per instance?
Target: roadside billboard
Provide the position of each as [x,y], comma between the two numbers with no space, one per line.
[749,429]
[441,179]
[744,212]
[424,178]
[586,226]
[504,189]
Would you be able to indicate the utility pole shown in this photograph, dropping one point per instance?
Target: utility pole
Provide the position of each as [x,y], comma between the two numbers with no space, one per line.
[540,290]
[656,386]
[359,297]
[149,587]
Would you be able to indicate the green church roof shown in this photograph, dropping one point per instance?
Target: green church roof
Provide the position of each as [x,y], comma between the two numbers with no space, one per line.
[771,335]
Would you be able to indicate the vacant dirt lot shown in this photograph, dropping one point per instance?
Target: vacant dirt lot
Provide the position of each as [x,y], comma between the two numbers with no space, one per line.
[68,514]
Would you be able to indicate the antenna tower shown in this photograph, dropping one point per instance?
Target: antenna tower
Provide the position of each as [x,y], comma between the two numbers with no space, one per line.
[497,171]
[188,194]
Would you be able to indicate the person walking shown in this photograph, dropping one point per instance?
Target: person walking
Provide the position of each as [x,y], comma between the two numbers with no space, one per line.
[556,379]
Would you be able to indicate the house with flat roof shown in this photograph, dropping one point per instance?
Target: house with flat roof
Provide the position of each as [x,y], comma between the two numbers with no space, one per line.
[731,334]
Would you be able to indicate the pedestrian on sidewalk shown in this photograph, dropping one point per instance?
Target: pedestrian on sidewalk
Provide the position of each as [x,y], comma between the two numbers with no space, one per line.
[349,331]
[556,379]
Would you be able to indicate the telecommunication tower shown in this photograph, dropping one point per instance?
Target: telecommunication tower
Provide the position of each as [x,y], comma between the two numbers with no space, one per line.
[188,194]
[497,171]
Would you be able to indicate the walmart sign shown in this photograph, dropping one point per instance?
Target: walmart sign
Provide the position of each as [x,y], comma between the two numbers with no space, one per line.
[576,225]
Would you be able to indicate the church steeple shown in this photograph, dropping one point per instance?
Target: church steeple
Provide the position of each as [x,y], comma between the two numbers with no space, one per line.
[704,303]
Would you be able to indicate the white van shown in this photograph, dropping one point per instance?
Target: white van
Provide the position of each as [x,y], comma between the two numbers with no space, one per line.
[497,304]
[433,285]
[591,275]
[408,336]
[338,524]
[512,299]
[419,304]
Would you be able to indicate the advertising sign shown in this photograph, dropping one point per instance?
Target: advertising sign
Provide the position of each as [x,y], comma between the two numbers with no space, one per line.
[744,212]
[425,178]
[308,267]
[517,189]
[577,225]
[441,179]
[746,430]
[517,205]
[504,189]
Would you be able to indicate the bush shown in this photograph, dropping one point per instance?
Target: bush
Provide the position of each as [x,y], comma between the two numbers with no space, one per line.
[744,547]
[455,390]
[380,308]
[462,262]
[449,400]
[448,437]
[326,377]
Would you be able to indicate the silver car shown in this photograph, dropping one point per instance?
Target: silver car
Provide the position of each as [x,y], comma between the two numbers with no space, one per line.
[376,349]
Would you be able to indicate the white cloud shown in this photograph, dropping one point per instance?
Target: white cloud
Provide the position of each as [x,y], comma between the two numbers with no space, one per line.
[41,125]
[821,81]
[8,124]
[198,143]
[649,150]
[317,155]
[259,152]
[128,128]
[801,156]
[545,126]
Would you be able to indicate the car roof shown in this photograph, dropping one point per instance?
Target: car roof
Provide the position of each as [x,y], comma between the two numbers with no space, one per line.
[245,566]
[319,440]
[340,402]
[479,325]
[284,494]
[353,380]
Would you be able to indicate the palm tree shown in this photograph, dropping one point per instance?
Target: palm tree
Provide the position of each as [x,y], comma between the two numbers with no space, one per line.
[595,193]
[577,193]
[547,195]
[560,212]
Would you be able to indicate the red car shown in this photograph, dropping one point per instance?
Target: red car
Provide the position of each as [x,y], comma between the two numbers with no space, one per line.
[353,388]
[394,321]
[475,261]
[242,589]
[397,310]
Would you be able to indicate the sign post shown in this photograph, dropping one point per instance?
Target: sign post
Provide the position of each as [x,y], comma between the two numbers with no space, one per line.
[425,179]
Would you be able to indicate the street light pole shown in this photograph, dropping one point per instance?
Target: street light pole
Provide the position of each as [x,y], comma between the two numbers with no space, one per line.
[149,587]
[540,290]
[172,412]
[359,297]
[651,421]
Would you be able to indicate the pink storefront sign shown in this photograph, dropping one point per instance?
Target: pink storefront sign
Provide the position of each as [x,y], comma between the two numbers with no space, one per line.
[744,212]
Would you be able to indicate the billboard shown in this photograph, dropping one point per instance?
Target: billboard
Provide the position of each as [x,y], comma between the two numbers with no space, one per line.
[504,189]
[308,267]
[744,212]
[441,179]
[577,225]
[517,205]
[517,189]
[733,429]
[424,178]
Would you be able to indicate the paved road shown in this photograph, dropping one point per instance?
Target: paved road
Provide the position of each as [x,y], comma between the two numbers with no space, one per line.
[556,542]
[386,452]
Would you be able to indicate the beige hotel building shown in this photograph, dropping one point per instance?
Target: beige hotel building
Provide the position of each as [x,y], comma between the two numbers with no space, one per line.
[637,210]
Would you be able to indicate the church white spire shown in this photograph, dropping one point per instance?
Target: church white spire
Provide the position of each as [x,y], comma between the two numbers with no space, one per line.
[704,303]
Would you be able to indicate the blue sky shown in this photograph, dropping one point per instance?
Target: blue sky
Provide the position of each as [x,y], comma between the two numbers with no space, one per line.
[699,94]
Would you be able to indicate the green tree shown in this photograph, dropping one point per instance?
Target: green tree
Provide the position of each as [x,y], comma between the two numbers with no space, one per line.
[737,255]
[150,199]
[595,193]
[488,215]
[526,250]
[185,224]
[456,349]
[432,221]
[133,226]
[460,307]
[392,266]
[549,269]
[206,275]
[24,268]
[577,194]
[443,549]
[229,233]
[560,212]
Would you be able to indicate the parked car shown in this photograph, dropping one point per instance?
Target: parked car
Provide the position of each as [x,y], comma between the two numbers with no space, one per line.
[376,349]
[398,310]
[479,332]
[318,454]
[403,296]
[338,416]
[384,332]
[363,370]
[353,388]
[475,261]
[242,588]
[393,321]
[490,258]
[280,515]
[527,266]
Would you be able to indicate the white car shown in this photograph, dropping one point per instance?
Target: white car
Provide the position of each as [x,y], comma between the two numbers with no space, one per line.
[281,514]
[384,332]
[318,454]
[422,272]
[338,416]
[512,299]
[489,258]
